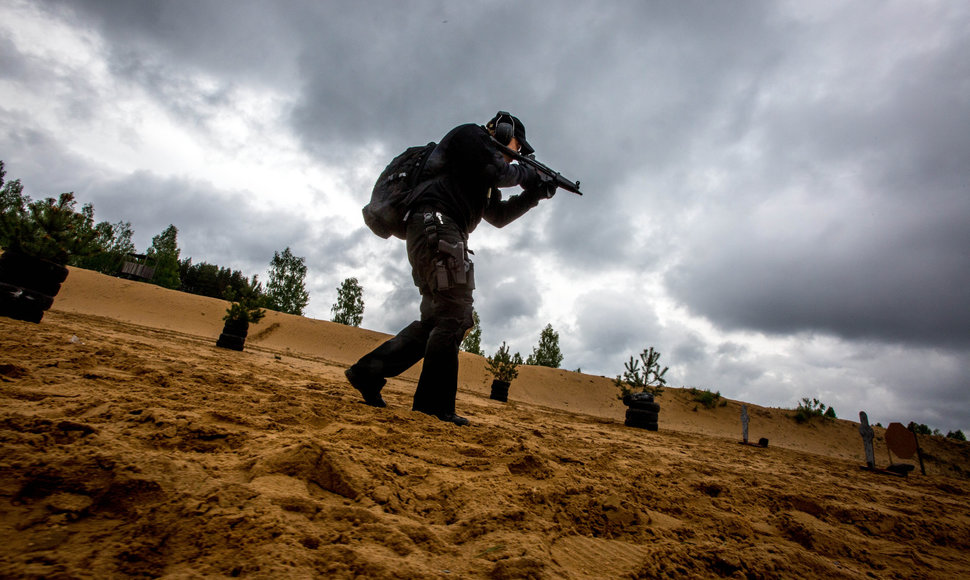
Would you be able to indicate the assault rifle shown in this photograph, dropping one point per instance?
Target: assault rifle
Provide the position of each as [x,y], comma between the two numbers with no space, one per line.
[546,172]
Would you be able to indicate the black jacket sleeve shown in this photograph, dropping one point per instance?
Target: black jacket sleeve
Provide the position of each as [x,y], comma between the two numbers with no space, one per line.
[501,213]
[510,174]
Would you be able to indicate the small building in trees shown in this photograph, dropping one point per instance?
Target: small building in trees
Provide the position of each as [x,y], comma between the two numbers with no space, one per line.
[138,267]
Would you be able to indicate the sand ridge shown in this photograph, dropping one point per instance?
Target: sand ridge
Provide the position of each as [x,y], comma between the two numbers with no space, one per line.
[132,446]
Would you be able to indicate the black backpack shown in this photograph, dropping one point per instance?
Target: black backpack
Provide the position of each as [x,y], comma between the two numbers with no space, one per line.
[394,190]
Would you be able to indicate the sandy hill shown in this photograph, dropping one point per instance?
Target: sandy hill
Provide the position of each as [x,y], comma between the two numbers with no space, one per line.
[130,445]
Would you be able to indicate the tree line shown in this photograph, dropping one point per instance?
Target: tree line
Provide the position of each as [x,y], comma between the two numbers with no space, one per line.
[55,229]
[285,292]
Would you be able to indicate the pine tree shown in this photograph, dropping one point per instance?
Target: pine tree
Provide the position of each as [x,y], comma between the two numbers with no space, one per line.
[51,229]
[473,340]
[165,252]
[646,379]
[503,366]
[547,354]
[286,291]
[349,308]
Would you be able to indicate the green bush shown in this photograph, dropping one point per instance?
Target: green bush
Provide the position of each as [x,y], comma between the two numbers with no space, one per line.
[958,435]
[808,409]
[919,428]
[246,308]
[502,365]
[706,397]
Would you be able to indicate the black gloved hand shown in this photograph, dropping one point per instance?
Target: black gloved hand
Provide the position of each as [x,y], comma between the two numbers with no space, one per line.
[544,189]
[532,178]
[548,188]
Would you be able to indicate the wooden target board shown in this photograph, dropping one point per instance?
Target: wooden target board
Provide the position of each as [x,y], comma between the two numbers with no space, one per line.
[900,440]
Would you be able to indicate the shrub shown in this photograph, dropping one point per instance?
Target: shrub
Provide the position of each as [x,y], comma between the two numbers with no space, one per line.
[919,428]
[809,409]
[706,397]
[958,435]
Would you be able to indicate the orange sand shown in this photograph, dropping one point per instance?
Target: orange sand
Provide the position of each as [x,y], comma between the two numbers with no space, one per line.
[130,445]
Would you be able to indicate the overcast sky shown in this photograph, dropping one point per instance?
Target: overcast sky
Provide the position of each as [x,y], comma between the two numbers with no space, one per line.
[777,194]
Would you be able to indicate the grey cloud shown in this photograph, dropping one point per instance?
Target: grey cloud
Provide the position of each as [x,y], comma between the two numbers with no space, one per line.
[500,305]
[214,226]
[894,292]
[238,39]
[871,247]
[13,64]
[691,349]
[400,308]
[29,152]
[614,327]
[594,233]
[880,265]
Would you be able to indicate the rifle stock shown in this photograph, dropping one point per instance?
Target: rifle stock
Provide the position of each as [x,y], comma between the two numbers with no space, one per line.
[544,170]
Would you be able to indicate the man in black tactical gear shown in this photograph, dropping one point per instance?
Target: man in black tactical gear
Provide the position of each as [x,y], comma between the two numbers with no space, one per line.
[457,189]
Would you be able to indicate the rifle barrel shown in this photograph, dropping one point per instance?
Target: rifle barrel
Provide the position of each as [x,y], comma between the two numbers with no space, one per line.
[561,181]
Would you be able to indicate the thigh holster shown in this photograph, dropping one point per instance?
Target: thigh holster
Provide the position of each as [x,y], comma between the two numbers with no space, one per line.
[453,268]
[445,263]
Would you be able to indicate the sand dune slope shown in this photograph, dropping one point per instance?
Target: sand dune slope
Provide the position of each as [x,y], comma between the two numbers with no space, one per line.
[130,446]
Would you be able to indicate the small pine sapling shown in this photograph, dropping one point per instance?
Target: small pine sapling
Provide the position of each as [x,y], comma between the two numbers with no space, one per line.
[646,379]
[503,366]
[245,309]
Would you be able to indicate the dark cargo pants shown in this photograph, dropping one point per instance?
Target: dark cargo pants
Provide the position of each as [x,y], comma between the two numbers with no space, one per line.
[445,277]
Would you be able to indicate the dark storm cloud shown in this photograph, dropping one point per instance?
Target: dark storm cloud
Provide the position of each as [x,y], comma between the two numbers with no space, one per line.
[888,259]
[904,284]
[234,40]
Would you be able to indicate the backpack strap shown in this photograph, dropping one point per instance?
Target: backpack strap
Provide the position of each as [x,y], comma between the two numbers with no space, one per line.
[417,178]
